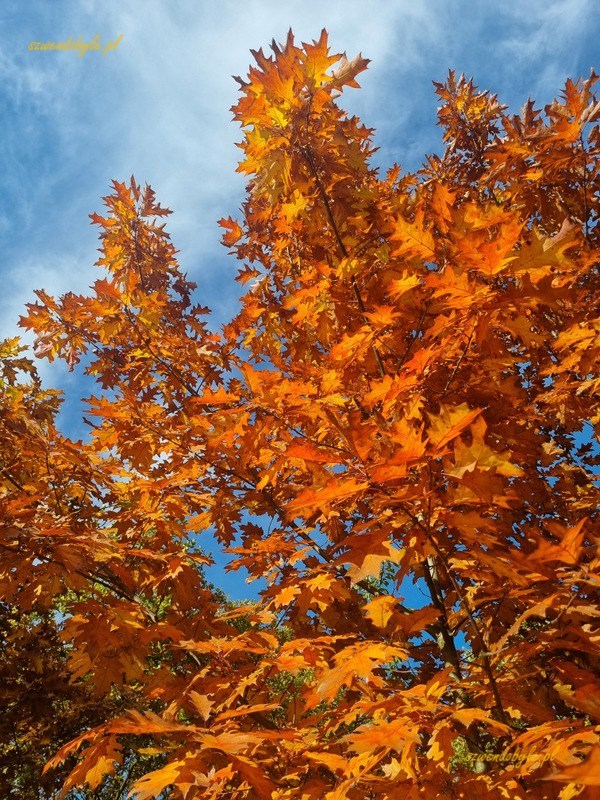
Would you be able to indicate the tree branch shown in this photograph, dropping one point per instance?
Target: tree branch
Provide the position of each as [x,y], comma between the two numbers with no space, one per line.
[326,202]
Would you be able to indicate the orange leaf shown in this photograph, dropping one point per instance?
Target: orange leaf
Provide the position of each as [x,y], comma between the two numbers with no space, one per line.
[586,773]
[380,609]
[450,422]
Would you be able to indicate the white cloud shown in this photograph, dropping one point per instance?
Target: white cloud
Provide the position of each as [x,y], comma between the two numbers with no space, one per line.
[159,107]
[543,45]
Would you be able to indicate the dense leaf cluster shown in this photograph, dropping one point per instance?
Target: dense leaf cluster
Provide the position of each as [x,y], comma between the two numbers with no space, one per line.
[409,393]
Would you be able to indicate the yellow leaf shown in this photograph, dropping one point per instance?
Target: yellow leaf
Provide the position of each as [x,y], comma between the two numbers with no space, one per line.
[479,456]
[331,760]
[150,786]
[389,735]
[369,564]
[440,744]
[354,663]
[382,316]
[413,238]
[380,609]
[285,596]
[450,422]
[201,703]
[466,716]
[402,285]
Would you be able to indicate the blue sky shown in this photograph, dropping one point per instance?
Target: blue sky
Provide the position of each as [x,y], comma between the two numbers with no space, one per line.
[158,107]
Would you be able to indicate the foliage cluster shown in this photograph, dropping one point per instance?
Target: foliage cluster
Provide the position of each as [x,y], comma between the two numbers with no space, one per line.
[403,396]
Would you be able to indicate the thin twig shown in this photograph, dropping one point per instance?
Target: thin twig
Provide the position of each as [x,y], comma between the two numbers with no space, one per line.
[326,202]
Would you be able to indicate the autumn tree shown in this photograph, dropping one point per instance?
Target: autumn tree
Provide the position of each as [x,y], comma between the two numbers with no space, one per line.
[408,395]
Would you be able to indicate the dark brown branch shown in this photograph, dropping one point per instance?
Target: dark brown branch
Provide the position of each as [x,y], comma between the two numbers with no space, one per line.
[460,360]
[14,481]
[445,639]
[487,667]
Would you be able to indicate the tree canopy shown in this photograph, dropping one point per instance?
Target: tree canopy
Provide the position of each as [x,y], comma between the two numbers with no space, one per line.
[408,395]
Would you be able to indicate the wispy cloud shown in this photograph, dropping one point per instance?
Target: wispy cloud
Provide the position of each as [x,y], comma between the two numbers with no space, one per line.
[159,108]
